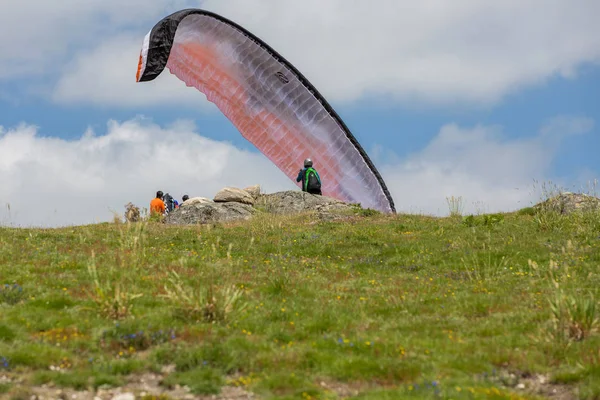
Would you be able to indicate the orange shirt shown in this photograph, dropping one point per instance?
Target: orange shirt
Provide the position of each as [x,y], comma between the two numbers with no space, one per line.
[157,206]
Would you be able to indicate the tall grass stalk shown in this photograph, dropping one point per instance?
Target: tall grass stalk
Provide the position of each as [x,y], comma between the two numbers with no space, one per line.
[203,302]
[455,206]
[113,299]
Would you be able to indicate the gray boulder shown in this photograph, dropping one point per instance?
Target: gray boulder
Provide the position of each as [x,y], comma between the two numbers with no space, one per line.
[231,194]
[295,201]
[196,200]
[254,191]
[209,213]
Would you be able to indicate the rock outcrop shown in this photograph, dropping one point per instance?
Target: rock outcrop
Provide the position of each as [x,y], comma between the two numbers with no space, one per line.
[209,213]
[567,202]
[233,204]
[295,201]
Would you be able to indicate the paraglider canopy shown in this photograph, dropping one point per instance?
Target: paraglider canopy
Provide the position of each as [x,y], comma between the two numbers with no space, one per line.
[269,101]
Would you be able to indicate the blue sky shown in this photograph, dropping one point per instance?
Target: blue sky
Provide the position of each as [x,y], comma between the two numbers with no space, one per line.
[466,100]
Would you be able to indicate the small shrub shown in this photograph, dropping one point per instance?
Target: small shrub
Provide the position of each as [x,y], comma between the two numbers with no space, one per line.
[11,294]
[6,334]
[573,317]
[492,219]
[470,221]
[135,340]
[527,211]
[485,220]
[132,213]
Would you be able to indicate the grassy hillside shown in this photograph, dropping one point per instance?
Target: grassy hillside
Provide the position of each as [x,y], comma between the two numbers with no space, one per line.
[374,307]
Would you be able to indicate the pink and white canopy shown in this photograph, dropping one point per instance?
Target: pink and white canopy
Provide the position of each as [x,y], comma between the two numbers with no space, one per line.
[267,99]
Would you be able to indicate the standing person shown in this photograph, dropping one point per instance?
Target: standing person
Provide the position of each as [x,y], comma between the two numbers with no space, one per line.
[311,181]
[157,205]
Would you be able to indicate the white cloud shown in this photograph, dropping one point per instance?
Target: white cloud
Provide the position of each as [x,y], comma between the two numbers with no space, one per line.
[38,34]
[50,181]
[435,51]
[106,75]
[489,171]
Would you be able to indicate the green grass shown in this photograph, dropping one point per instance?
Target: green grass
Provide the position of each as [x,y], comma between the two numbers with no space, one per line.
[288,307]
[4,388]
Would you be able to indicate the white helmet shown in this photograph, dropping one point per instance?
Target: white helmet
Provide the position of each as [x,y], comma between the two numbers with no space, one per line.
[308,163]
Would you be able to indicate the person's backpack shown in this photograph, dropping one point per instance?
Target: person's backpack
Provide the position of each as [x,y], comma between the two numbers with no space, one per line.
[312,183]
[169,202]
